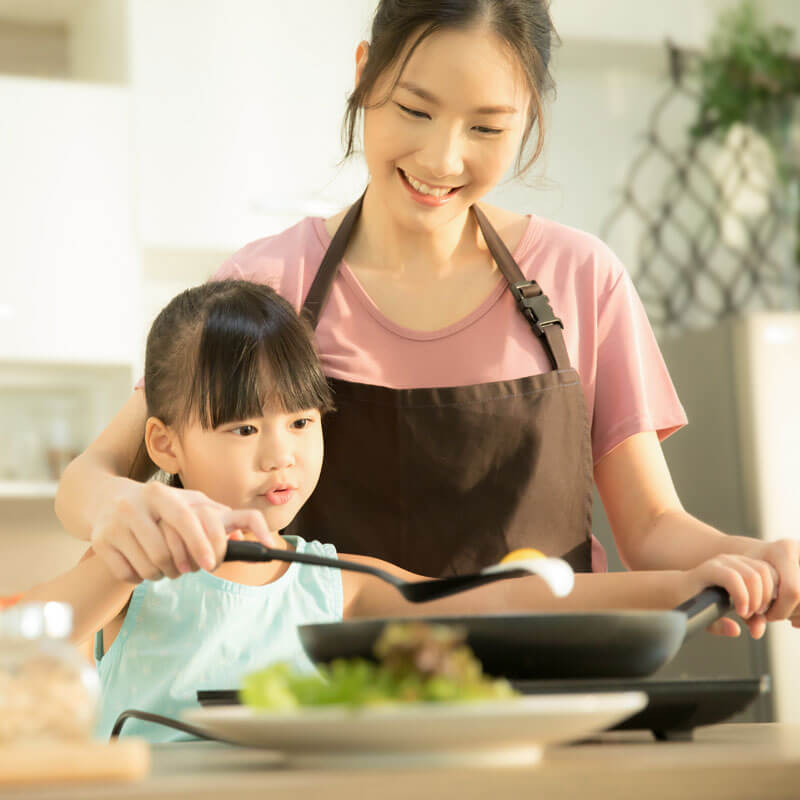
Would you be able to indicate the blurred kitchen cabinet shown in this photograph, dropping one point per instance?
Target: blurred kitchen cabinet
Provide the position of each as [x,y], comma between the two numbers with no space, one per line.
[49,412]
[69,281]
[239,135]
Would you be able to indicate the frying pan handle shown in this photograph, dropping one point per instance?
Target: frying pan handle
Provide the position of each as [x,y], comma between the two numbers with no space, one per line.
[705,608]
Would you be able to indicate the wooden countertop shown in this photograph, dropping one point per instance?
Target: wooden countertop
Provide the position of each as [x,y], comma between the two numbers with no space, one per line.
[733,761]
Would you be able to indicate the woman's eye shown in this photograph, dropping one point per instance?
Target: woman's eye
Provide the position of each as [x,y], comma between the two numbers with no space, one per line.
[484,129]
[245,430]
[411,112]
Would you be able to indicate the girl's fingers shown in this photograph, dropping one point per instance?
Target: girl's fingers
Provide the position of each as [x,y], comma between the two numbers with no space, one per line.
[725,627]
[757,624]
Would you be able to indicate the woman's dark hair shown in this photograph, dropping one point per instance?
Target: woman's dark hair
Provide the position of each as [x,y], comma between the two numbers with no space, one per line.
[524,25]
[225,351]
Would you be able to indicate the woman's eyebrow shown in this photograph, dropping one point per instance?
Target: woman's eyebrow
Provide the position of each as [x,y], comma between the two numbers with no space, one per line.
[431,98]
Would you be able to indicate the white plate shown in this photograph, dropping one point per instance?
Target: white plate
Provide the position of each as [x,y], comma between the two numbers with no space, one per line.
[512,731]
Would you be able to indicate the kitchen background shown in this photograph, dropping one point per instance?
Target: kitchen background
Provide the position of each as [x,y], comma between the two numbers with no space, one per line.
[142,141]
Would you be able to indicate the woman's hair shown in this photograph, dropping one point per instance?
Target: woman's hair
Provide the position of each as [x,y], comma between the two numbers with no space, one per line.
[524,26]
[225,351]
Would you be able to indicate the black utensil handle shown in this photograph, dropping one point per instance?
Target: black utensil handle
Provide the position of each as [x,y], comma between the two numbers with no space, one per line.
[255,551]
[246,551]
[705,608]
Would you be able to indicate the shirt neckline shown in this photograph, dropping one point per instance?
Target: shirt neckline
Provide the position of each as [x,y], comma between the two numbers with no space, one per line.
[363,297]
[232,587]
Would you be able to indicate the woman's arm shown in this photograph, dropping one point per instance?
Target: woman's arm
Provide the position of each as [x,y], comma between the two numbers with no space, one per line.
[652,530]
[650,526]
[95,595]
[101,471]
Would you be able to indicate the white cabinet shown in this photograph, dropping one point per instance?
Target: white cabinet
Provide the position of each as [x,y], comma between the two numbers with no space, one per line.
[238,109]
[69,277]
[49,412]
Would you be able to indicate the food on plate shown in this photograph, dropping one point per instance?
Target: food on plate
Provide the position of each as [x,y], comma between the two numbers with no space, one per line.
[418,662]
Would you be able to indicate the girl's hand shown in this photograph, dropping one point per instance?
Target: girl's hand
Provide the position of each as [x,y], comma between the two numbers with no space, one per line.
[751,584]
[154,530]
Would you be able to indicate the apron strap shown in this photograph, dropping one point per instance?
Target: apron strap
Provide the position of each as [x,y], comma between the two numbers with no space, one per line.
[323,281]
[532,302]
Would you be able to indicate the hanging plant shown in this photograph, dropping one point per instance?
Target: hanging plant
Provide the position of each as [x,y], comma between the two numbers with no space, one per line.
[749,76]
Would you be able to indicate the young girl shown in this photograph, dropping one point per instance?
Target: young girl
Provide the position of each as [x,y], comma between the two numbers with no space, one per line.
[235,395]
[462,394]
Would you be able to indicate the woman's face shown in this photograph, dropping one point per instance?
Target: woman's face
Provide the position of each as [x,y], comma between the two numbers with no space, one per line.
[450,129]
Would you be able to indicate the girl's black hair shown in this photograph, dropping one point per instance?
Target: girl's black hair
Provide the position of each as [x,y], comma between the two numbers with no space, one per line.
[225,351]
[524,25]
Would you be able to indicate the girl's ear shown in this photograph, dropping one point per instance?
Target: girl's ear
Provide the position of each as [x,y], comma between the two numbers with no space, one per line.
[362,51]
[161,443]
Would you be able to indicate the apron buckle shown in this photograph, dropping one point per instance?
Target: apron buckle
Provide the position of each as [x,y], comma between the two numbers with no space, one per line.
[535,305]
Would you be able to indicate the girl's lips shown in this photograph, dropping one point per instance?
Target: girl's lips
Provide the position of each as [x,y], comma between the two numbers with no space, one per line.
[426,199]
[279,497]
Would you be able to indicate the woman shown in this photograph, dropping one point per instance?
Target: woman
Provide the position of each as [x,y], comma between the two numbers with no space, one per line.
[473,414]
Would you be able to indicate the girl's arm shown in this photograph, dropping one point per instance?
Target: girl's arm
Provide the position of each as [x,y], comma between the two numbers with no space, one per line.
[652,530]
[95,595]
[750,583]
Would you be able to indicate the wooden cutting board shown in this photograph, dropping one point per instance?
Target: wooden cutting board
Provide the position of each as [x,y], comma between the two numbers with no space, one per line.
[51,762]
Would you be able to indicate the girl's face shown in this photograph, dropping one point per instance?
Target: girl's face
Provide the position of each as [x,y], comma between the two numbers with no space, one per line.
[270,463]
[450,129]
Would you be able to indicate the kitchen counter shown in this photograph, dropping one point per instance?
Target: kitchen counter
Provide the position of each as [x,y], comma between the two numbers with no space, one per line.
[751,762]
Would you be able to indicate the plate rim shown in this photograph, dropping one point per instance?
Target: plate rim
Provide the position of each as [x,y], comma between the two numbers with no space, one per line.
[632,700]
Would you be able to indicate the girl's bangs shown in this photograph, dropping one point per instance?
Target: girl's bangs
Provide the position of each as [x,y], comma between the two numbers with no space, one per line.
[250,362]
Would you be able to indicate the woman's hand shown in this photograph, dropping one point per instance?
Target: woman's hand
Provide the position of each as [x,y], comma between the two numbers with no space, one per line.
[751,584]
[153,530]
[784,556]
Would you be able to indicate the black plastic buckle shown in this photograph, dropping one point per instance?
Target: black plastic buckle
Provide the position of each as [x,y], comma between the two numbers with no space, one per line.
[535,307]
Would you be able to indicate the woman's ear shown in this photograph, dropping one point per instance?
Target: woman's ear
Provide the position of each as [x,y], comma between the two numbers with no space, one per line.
[362,51]
[162,445]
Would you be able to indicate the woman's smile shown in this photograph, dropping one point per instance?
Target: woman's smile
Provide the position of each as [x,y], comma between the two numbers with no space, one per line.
[425,193]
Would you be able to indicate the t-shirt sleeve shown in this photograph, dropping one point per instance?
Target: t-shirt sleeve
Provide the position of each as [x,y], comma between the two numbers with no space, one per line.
[633,390]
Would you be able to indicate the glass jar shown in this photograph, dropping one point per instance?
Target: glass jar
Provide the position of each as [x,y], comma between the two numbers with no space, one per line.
[47,688]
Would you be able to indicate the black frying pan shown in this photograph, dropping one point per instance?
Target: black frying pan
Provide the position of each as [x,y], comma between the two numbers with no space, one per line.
[602,644]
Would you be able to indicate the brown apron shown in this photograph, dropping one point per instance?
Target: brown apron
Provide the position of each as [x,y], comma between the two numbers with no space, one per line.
[443,481]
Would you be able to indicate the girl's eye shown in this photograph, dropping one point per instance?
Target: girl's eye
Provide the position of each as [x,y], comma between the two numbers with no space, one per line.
[245,430]
[304,422]
[490,131]
[412,113]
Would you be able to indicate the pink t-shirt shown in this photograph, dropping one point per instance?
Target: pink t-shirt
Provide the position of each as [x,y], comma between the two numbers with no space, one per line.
[608,337]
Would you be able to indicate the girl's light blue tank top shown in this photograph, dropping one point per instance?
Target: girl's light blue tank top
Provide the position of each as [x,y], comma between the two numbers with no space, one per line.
[202,632]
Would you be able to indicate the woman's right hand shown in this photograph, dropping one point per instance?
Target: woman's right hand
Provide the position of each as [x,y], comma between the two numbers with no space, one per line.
[151,530]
